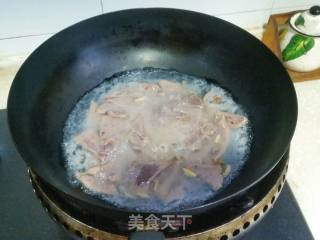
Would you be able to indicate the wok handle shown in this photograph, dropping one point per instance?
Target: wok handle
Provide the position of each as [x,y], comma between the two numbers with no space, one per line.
[146,235]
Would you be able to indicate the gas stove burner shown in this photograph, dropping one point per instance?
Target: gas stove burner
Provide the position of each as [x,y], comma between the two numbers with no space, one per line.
[229,230]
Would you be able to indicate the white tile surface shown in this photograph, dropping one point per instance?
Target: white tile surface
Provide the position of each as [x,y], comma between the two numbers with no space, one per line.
[246,14]
[293,3]
[304,165]
[289,9]
[22,45]
[247,20]
[8,69]
[19,18]
[213,7]
[25,45]
[34,17]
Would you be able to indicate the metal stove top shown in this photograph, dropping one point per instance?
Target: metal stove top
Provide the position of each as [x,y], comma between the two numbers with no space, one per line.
[22,216]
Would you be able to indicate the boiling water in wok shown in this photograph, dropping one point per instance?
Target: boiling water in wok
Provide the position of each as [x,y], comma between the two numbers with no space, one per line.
[134,140]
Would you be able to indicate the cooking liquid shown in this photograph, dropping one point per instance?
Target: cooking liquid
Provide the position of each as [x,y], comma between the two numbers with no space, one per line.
[78,159]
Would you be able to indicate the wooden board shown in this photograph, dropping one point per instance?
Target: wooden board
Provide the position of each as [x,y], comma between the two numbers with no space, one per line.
[270,38]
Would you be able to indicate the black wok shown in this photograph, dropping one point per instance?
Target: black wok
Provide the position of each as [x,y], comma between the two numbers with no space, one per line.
[70,63]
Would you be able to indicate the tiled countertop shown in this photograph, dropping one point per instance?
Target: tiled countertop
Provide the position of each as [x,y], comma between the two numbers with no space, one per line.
[304,166]
[304,170]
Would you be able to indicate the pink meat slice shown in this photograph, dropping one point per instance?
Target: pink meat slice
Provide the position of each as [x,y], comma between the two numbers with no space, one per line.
[235,120]
[113,171]
[146,172]
[152,87]
[111,110]
[193,100]
[93,117]
[89,140]
[167,180]
[221,140]
[211,174]
[137,136]
[111,129]
[106,148]
[116,114]
[94,184]
[131,189]
[166,85]
[175,193]
[193,142]
[149,172]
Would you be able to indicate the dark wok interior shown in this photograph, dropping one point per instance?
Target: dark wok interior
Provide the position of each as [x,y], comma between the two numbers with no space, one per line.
[75,60]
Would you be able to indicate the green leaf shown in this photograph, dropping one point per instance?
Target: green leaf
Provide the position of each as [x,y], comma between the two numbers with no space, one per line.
[298,45]
[299,21]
